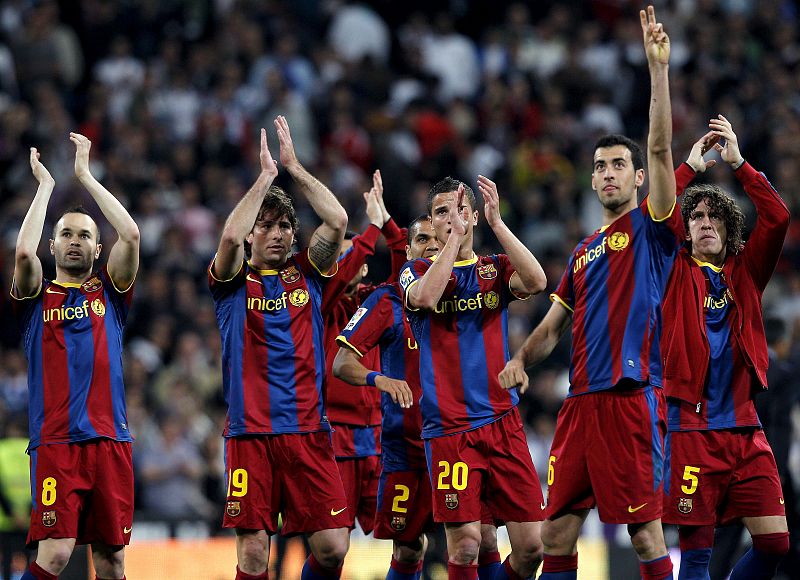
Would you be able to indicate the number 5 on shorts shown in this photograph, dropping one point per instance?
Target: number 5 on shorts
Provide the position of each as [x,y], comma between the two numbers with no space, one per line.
[689,475]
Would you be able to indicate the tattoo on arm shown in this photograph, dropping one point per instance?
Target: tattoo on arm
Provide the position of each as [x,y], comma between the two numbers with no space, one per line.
[322,251]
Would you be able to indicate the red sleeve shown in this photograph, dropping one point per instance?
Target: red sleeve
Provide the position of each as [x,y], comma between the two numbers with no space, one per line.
[563,294]
[349,265]
[370,321]
[763,248]
[396,240]
[684,175]
[221,287]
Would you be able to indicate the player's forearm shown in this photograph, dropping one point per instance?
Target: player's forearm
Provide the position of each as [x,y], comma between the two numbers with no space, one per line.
[30,233]
[321,199]
[428,291]
[530,272]
[349,369]
[659,142]
[536,348]
[241,220]
[112,209]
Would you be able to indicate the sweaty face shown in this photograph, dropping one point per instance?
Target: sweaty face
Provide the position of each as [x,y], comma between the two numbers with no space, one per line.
[75,245]
[271,240]
[614,178]
[708,234]
[440,215]
[423,241]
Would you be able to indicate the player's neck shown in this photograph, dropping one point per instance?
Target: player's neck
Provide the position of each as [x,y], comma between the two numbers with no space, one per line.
[67,277]
[268,264]
[465,251]
[612,215]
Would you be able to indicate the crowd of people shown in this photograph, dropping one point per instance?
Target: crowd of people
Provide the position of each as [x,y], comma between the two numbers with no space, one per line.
[172,95]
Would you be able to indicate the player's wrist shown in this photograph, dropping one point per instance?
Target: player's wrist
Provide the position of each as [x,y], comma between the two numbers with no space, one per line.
[738,163]
[371,378]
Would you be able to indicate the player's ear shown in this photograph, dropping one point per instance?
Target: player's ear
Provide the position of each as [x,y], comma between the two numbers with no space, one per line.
[475,217]
[97,251]
[364,270]
[408,253]
[639,177]
[52,247]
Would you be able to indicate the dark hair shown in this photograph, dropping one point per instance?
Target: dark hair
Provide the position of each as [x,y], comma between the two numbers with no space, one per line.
[77,209]
[720,203]
[636,152]
[278,201]
[420,218]
[447,185]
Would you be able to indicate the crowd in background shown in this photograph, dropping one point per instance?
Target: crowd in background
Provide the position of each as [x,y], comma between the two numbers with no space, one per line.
[172,94]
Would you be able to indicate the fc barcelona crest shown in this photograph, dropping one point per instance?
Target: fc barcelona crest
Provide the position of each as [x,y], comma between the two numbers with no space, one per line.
[487,272]
[290,274]
[684,505]
[49,519]
[233,508]
[93,284]
[398,523]
[451,500]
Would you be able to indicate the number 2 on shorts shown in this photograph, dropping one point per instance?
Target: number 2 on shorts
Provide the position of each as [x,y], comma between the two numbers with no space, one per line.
[458,475]
[402,496]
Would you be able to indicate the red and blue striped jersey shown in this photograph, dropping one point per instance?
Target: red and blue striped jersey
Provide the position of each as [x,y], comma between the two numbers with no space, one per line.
[727,401]
[72,335]
[463,345]
[381,322]
[272,355]
[613,286]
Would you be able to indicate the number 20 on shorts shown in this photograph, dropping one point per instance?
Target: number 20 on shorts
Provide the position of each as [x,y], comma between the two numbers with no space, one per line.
[454,476]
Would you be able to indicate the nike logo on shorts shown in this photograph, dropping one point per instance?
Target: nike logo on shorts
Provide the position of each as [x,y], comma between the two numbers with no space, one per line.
[632,509]
[337,512]
[781,500]
[127,530]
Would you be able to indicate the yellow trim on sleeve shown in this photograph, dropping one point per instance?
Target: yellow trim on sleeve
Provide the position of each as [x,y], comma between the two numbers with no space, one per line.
[110,279]
[405,297]
[342,341]
[556,298]
[717,269]
[20,298]
[321,273]
[211,271]
[518,295]
[666,217]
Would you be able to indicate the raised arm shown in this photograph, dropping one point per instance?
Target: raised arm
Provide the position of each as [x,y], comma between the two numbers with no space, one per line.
[396,237]
[529,277]
[659,138]
[27,266]
[323,250]
[240,222]
[427,291]
[348,367]
[537,347]
[123,259]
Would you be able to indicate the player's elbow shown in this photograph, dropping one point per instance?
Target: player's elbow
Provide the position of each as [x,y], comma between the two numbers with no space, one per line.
[538,284]
[337,220]
[131,233]
[339,363]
